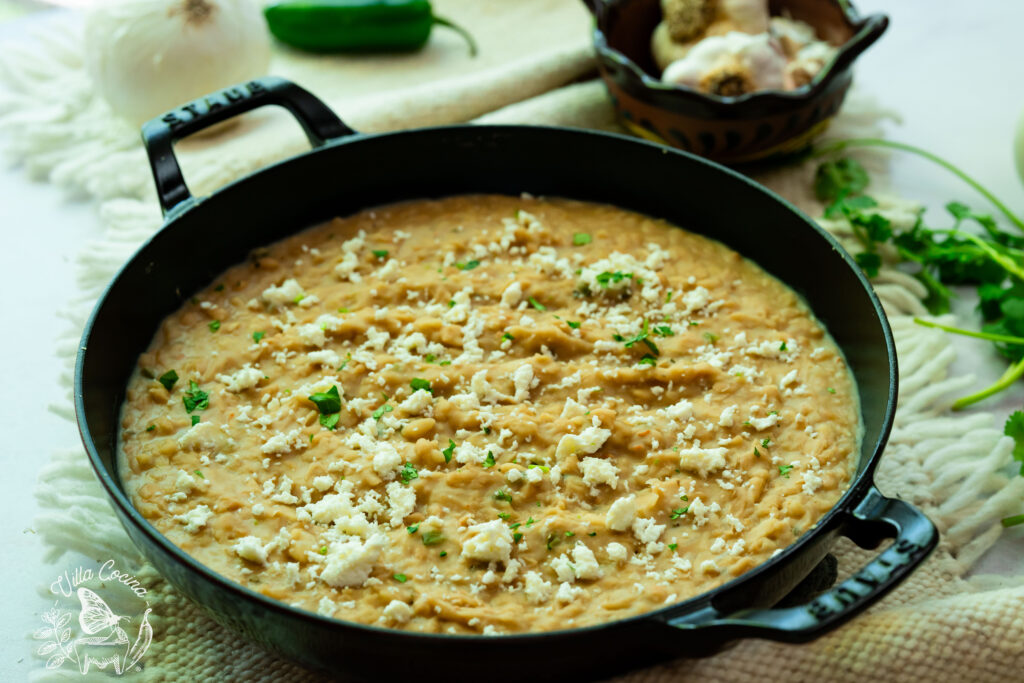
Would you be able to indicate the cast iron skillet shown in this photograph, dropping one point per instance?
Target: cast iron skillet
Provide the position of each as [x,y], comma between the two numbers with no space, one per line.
[346,172]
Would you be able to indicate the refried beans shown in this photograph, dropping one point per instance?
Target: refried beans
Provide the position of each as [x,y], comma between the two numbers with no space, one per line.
[489,414]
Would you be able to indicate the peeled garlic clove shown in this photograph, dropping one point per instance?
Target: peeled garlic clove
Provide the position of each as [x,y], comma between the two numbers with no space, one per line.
[146,57]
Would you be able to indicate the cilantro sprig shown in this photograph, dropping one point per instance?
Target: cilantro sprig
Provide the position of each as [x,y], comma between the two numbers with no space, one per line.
[328,403]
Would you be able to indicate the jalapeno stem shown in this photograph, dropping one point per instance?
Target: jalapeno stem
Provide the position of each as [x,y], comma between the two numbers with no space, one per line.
[440,21]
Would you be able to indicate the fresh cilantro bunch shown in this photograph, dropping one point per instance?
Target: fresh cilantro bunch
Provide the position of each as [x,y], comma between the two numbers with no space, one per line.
[989,259]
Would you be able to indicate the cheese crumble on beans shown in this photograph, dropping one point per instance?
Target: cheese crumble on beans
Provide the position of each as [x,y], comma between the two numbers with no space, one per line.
[489,414]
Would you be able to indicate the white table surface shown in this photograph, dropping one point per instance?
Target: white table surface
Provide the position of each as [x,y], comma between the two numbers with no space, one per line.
[951,68]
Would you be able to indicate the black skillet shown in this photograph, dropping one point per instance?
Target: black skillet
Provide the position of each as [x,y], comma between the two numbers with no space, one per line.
[347,171]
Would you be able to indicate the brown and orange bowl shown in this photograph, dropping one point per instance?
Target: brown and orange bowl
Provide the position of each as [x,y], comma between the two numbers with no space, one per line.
[731,130]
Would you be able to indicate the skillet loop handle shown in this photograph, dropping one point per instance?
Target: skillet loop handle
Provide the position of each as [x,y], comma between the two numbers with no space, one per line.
[875,519]
[320,124]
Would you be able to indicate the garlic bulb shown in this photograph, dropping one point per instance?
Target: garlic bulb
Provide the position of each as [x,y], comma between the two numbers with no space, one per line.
[148,56]
[730,65]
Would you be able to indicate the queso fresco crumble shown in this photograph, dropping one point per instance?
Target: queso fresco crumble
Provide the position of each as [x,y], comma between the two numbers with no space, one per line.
[489,414]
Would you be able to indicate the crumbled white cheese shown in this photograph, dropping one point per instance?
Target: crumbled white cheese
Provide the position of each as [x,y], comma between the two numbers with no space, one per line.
[386,459]
[283,442]
[812,482]
[398,612]
[244,378]
[522,380]
[349,563]
[728,416]
[588,441]
[761,423]
[402,500]
[646,530]
[567,592]
[288,292]
[195,519]
[616,551]
[512,294]
[597,471]
[621,513]
[488,541]
[702,460]
[250,548]
[536,589]
[584,563]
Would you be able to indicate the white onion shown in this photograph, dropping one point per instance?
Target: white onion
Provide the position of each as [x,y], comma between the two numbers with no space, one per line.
[148,56]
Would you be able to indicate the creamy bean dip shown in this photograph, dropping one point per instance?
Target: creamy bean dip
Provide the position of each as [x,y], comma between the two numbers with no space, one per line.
[489,414]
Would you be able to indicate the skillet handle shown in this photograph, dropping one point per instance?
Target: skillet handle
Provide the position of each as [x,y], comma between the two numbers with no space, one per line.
[876,518]
[158,135]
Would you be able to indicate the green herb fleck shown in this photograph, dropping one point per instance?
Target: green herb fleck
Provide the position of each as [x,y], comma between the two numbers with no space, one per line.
[379,413]
[199,474]
[432,538]
[663,331]
[679,512]
[503,495]
[168,379]
[648,359]
[327,402]
[530,521]
[150,428]
[451,303]
[606,278]
[447,452]
[195,399]
[380,253]
[257,336]
[765,442]
[784,470]
[489,460]
[581,238]
[711,337]
[468,265]
[569,534]
[673,546]
[443,553]
[408,473]
[831,390]
[757,453]
[573,324]
[536,304]
[214,325]
[516,537]
[412,529]
[323,548]
[507,337]
[400,578]
[782,346]
[553,540]
[592,534]
[195,420]
[419,384]
[504,515]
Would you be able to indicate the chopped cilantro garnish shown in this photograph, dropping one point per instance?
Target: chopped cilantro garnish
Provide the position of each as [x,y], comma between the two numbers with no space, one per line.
[199,473]
[668,297]
[443,553]
[195,420]
[507,337]
[487,430]
[451,303]
[380,253]
[400,578]
[447,452]
[757,453]
[344,310]
[831,390]
[489,460]
[569,534]
[412,529]
[468,265]
[503,495]
[328,422]
[684,497]
[432,537]
[257,336]
[429,358]
[679,512]
[168,379]
[648,359]
[592,533]
[150,428]
[642,336]
[711,337]
[765,442]
[782,346]
[784,470]
[504,515]
[606,278]
[542,468]
[530,521]
[553,540]
[408,473]
[663,331]
[195,399]
[323,550]
[214,325]
[573,324]
[536,304]
[327,402]
[581,238]
[513,527]
[516,537]
[418,384]
[673,546]
[379,413]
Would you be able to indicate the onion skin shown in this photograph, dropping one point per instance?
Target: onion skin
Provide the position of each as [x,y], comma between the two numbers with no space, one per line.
[146,57]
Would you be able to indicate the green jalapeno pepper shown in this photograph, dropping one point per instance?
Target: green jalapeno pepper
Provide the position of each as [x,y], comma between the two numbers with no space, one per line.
[356,25]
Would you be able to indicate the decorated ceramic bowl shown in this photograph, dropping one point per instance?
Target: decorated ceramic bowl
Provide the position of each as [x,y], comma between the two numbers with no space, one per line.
[730,130]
